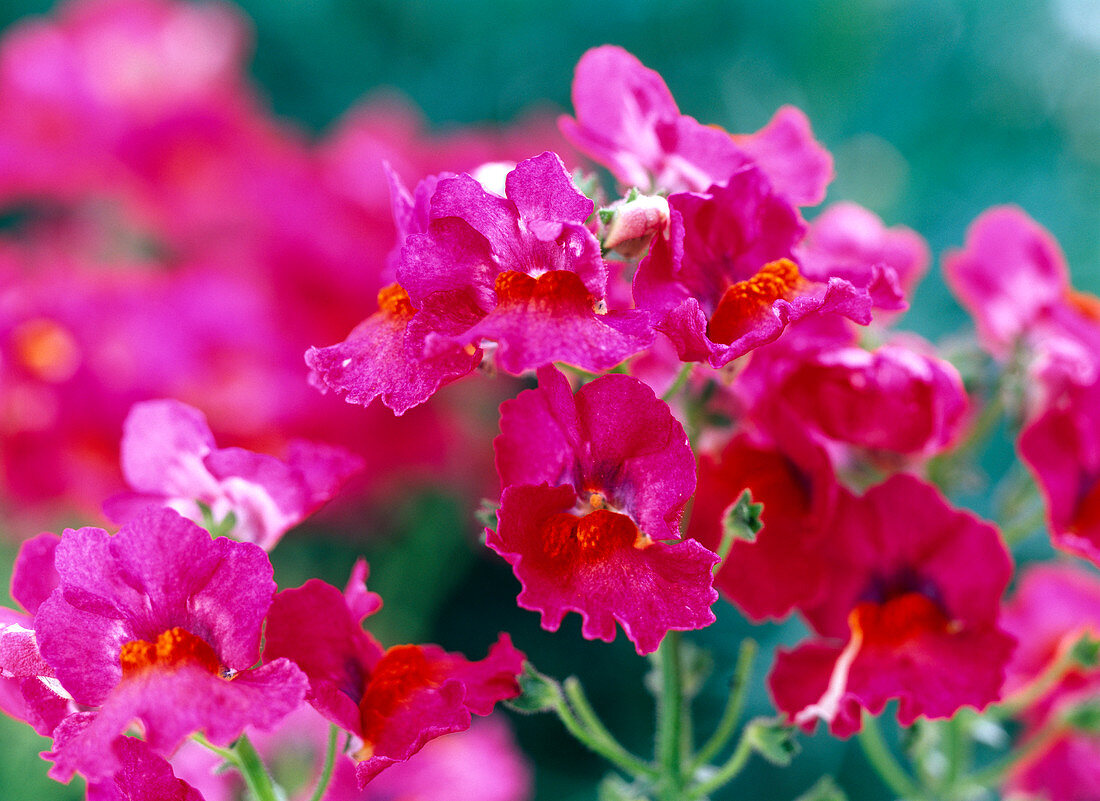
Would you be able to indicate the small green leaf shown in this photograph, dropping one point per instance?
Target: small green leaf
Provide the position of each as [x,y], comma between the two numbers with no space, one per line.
[1085,717]
[1086,651]
[773,740]
[825,789]
[486,513]
[606,216]
[742,519]
[538,693]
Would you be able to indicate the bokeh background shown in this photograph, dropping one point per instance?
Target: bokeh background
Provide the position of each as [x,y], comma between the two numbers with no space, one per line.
[933,109]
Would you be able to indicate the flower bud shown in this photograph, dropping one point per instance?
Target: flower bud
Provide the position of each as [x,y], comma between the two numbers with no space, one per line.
[632,222]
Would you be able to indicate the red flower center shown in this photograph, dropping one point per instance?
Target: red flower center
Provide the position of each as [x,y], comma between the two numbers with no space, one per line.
[898,620]
[551,288]
[588,538]
[174,648]
[743,303]
[1086,516]
[401,671]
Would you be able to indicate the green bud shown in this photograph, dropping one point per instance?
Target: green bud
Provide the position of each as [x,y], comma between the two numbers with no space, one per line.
[1086,651]
[742,519]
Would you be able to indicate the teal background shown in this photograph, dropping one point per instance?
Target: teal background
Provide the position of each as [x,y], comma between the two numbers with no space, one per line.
[934,111]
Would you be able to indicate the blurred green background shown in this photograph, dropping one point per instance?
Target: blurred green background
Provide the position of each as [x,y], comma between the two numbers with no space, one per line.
[933,109]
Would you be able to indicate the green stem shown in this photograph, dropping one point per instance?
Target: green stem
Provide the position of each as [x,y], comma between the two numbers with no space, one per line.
[252,769]
[994,773]
[1038,688]
[735,703]
[727,772]
[330,763]
[678,384]
[574,694]
[595,740]
[884,762]
[956,745]
[670,718]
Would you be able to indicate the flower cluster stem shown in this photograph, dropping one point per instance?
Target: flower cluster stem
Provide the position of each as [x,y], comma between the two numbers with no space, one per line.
[256,777]
[670,717]
[581,721]
[884,762]
[330,764]
[735,703]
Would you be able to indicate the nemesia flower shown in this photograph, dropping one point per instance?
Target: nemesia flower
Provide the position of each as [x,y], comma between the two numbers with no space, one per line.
[1053,607]
[522,271]
[27,690]
[593,489]
[628,121]
[1008,275]
[394,700]
[480,764]
[141,774]
[898,399]
[782,568]
[848,241]
[1062,449]
[725,280]
[911,613]
[159,625]
[170,459]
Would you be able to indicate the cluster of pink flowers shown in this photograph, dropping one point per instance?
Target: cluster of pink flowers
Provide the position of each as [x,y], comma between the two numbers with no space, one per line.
[686,340]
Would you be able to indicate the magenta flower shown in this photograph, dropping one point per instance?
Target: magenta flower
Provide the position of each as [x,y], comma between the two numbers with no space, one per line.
[142,773]
[1009,275]
[848,241]
[911,613]
[1052,608]
[726,279]
[170,460]
[159,625]
[782,568]
[28,691]
[628,121]
[395,700]
[899,399]
[522,271]
[593,489]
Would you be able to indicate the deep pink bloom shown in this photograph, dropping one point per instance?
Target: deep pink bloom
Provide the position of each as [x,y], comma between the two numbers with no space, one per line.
[141,774]
[1053,606]
[522,271]
[848,241]
[911,613]
[170,459]
[27,690]
[782,568]
[160,624]
[628,121]
[395,700]
[897,400]
[480,764]
[593,489]
[726,279]
[1009,274]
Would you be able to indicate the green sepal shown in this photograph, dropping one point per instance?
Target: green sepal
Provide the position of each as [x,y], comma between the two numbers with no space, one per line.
[742,519]
[538,693]
[774,740]
[1086,651]
[824,789]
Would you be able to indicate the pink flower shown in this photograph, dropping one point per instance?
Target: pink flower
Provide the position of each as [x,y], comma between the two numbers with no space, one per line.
[169,459]
[593,489]
[782,568]
[159,624]
[848,241]
[1053,607]
[394,700]
[726,279]
[628,121]
[910,613]
[522,271]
